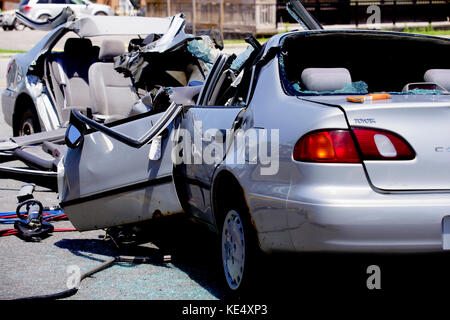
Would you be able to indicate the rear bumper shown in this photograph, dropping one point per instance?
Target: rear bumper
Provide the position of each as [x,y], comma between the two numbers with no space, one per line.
[398,224]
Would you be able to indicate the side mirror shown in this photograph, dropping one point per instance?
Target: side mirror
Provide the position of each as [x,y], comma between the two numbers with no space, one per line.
[74,137]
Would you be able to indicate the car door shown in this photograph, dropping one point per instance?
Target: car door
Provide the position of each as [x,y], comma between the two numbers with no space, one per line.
[202,137]
[106,182]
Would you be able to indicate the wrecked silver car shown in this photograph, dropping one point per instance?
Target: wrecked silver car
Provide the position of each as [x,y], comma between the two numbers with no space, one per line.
[287,148]
[284,147]
[45,83]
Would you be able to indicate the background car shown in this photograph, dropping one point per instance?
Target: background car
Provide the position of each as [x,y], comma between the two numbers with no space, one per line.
[43,9]
[8,21]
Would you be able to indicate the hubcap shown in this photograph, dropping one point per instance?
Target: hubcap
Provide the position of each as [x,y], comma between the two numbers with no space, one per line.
[27,128]
[233,249]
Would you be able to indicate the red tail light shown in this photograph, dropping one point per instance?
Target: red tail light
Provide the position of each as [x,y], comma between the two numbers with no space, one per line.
[338,146]
[376,144]
[26,8]
[326,146]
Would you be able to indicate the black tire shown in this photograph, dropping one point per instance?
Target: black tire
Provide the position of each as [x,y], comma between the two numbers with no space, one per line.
[238,283]
[5,28]
[28,123]
[18,26]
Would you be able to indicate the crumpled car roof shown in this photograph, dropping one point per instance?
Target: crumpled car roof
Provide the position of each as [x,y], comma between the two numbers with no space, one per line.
[91,26]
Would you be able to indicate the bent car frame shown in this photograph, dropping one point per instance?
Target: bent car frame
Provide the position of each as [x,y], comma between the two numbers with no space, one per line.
[288,147]
[44,85]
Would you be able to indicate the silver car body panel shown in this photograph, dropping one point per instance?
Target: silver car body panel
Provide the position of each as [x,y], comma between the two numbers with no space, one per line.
[428,115]
[133,188]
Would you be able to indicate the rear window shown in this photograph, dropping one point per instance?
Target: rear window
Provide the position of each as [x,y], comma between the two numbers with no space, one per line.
[319,63]
[24,2]
[58,1]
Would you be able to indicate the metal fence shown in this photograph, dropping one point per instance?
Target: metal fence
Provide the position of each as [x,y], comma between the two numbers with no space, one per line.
[355,12]
[266,16]
[232,16]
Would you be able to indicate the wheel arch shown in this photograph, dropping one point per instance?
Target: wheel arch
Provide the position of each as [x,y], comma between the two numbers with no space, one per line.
[23,102]
[226,184]
[41,13]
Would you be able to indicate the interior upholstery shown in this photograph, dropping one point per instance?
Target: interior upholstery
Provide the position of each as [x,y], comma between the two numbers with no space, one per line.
[325,79]
[111,93]
[439,76]
[110,49]
[70,73]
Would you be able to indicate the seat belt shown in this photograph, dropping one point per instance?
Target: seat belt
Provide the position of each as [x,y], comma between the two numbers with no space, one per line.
[62,84]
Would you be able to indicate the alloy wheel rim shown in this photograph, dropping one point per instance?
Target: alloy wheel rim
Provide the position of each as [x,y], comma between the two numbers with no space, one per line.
[27,129]
[233,249]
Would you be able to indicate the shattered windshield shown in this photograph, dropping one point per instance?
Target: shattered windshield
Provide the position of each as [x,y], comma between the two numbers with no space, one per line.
[352,62]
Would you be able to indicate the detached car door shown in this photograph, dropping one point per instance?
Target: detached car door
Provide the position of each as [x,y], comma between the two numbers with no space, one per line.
[106,182]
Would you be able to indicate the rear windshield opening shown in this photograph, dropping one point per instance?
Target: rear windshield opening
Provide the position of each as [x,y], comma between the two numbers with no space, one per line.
[364,62]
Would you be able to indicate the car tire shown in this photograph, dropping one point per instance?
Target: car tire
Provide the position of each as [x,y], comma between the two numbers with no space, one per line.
[239,250]
[18,26]
[29,123]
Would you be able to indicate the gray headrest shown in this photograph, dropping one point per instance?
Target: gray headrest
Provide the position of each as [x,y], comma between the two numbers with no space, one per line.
[438,76]
[111,48]
[325,79]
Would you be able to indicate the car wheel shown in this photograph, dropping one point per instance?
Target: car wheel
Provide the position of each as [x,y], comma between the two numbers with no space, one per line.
[100,13]
[18,26]
[239,250]
[5,28]
[43,17]
[29,123]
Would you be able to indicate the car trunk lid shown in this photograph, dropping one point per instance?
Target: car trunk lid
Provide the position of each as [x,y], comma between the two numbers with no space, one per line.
[422,121]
